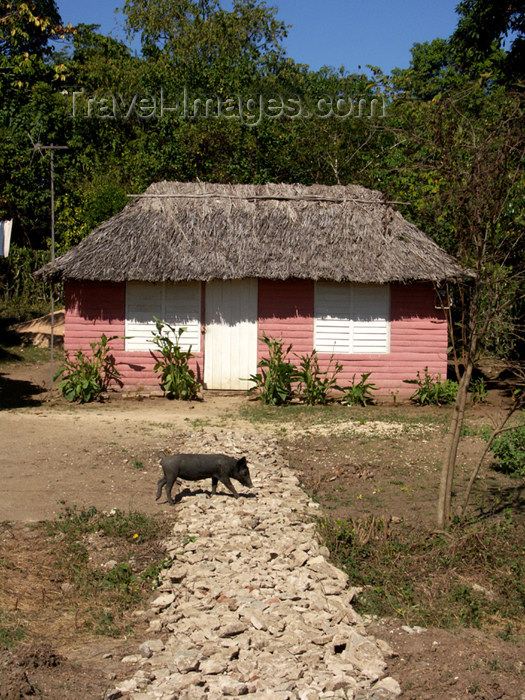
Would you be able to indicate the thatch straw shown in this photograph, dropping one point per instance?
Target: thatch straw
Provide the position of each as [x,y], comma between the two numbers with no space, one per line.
[341,233]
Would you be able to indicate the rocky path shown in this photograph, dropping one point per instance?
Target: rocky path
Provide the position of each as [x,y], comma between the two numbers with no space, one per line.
[250,605]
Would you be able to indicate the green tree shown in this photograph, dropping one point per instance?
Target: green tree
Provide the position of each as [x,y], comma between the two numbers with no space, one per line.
[204,45]
[481,30]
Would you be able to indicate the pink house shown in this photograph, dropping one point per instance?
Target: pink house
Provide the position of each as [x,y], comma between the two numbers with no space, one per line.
[336,268]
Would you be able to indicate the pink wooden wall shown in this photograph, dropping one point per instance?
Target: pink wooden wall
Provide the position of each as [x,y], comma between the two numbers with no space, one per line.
[93,308]
[418,331]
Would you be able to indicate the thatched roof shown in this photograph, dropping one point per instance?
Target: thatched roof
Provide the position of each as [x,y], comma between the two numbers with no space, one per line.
[199,231]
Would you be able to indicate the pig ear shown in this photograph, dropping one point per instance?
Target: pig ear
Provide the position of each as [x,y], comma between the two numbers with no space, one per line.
[242,462]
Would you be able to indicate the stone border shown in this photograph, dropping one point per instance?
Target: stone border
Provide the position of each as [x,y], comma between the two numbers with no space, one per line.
[250,605]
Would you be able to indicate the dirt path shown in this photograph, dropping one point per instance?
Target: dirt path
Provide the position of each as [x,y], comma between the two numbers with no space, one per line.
[104,456]
[54,455]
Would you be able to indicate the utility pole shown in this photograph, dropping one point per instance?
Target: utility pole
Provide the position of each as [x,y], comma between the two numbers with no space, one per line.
[51,148]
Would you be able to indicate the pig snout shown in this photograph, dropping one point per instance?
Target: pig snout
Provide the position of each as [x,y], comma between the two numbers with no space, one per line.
[244,478]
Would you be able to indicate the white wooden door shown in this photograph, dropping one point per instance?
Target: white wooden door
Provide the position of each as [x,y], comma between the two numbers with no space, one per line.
[231,334]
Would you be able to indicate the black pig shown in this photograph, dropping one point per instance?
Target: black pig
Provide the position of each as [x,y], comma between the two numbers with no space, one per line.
[193,467]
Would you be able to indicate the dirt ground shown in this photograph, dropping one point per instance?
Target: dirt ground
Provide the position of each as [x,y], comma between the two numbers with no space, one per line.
[105,455]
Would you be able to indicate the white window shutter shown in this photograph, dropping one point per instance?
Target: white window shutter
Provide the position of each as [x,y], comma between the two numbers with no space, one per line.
[177,304]
[371,316]
[143,302]
[332,323]
[351,318]
[182,309]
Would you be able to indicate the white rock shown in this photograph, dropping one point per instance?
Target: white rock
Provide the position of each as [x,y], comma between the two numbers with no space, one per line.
[214,665]
[186,660]
[145,650]
[232,629]
[390,685]
[250,603]
[155,625]
[230,687]
[127,686]
[161,601]
[131,659]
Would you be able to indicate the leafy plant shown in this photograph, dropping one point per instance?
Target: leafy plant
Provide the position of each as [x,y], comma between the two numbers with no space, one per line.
[84,377]
[360,393]
[177,378]
[478,390]
[509,451]
[315,382]
[121,578]
[431,390]
[277,375]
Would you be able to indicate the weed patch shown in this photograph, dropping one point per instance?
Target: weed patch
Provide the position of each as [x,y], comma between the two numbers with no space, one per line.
[112,561]
[316,384]
[431,390]
[472,577]
[74,523]
[11,352]
[509,451]
[360,393]
[11,630]
[274,381]
[84,377]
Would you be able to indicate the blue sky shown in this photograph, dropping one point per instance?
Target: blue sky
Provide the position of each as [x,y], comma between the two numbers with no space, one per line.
[352,33]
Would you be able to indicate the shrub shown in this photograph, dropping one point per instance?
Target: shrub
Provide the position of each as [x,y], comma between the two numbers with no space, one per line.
[274,381]
[85,378]
[315,382]
[24,296]
[431,390]
[509,451]
[360,393]
[478,390]
[177,378]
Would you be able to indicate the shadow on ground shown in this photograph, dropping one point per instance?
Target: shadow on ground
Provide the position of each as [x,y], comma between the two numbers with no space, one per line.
[177,498]
[509,498]
[19,393]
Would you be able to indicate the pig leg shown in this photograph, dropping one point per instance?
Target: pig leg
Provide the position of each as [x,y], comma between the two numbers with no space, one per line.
[226,481]
[160,484]
[214,482]
[170,480]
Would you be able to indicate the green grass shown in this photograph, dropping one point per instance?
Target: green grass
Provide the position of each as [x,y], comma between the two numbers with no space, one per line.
[302,416]
[473,577]
[11,632]
[132,526]
[30,354]
[12,350]
[139,561]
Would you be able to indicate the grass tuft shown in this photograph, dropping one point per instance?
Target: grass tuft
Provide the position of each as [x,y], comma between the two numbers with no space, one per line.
[472,577]
[11,630]
[130,539]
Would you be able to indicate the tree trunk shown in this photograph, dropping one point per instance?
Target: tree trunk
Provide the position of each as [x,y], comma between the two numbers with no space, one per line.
[449,460]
